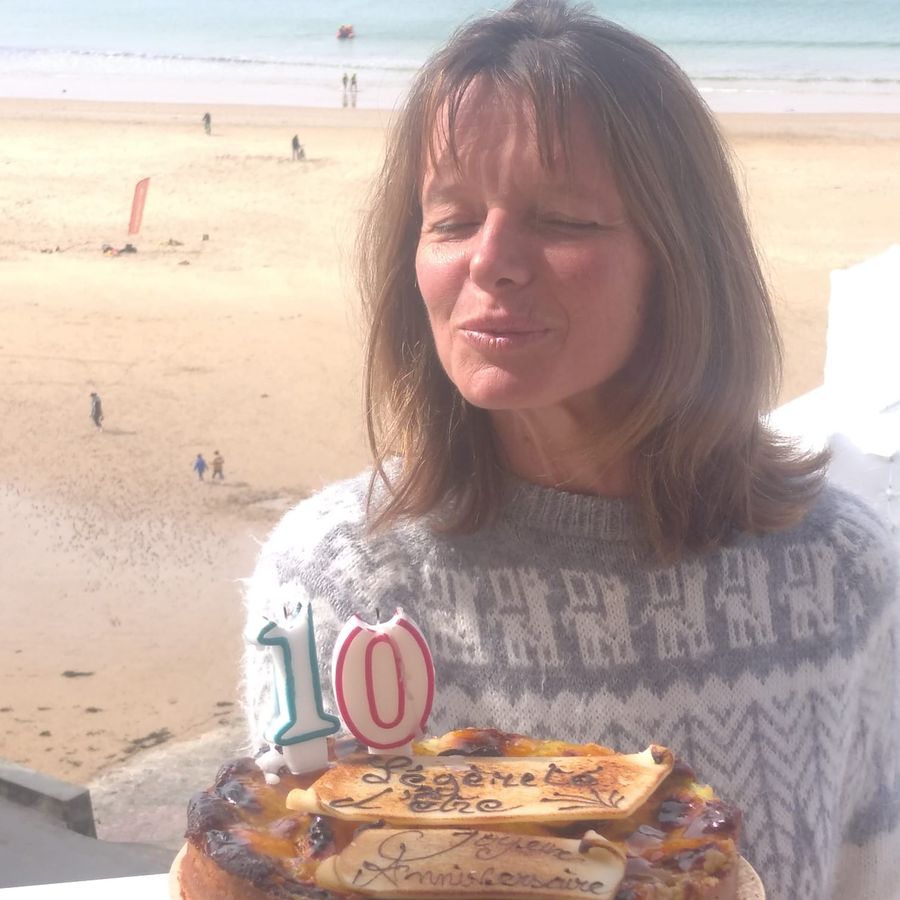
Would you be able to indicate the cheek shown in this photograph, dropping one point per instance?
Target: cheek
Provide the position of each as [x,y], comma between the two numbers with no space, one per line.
[424,276]
[440,276]
[608,301]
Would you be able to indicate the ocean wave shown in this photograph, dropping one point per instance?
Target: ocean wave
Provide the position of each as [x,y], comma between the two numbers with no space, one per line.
[791,44]
[359,63]
[799,79]
[404,67]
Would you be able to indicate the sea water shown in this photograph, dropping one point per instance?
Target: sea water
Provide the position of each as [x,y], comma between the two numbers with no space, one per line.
[743,54]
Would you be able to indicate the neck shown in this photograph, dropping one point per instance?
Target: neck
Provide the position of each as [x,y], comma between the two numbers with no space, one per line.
[556,448]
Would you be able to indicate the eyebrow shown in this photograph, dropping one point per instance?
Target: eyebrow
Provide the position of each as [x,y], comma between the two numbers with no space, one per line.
[441,191]
[446,190]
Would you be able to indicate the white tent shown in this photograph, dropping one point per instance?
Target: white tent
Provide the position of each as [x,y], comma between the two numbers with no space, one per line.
[857,409]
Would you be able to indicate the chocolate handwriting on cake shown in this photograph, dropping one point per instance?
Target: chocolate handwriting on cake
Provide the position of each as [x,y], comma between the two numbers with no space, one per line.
[446,790]
[445,862]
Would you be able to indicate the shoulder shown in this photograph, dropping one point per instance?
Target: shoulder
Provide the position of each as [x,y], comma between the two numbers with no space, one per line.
[301,550]
[326,526]
[849,525]
[843,534]
[338,507]
[322,548]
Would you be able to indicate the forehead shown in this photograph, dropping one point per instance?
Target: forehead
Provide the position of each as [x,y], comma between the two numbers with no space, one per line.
[491,122]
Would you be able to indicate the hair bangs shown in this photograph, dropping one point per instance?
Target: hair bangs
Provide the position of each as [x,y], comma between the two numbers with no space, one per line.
[533,76]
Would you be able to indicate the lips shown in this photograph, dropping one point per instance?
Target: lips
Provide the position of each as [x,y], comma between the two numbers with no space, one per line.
[502,333]
[502,325]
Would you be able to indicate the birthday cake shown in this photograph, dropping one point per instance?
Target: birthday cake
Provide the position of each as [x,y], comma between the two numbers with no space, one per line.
[477,813]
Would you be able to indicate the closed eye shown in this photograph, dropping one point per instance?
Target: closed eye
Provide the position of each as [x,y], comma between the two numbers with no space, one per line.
[570,224]
[452,227]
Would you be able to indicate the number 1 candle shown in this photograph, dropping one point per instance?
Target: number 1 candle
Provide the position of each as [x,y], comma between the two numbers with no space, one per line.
[383,681]
[300,724]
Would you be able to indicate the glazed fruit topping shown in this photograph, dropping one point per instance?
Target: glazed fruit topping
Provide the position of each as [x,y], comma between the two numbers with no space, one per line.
[321,837]
[244,767]
[482,742]
[208,812]
[717,817]
[236,792]
[673,813]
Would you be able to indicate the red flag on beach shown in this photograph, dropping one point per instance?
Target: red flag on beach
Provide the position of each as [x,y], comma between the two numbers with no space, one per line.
[137,205]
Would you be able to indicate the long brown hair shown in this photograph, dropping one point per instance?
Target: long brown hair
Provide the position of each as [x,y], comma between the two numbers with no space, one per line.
[710,358]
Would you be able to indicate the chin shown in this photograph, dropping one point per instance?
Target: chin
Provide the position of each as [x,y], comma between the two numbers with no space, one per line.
[510,398]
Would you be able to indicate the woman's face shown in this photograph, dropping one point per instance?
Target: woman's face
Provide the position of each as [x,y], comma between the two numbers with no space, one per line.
[535,281]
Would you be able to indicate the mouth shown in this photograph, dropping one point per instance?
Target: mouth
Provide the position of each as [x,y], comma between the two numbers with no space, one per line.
[502,334]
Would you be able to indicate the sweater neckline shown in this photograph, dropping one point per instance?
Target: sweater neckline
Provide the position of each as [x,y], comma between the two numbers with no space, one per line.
[559,512]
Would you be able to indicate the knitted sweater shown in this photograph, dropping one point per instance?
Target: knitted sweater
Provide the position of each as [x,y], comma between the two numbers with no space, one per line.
[770,665]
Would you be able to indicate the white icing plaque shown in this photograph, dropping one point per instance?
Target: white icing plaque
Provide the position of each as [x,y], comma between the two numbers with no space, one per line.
[470,791]
[441,863]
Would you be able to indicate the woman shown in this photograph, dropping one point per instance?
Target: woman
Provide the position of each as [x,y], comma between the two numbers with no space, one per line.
[570,348]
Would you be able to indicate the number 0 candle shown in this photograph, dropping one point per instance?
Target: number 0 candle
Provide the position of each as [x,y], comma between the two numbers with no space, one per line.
[300,724]
[383,681]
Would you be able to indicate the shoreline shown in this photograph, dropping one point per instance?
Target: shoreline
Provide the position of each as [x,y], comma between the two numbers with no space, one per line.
[877,124]
[169,112]
[384,91]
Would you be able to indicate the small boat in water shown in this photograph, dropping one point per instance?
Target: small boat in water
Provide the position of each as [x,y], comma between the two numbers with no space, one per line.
[345,32]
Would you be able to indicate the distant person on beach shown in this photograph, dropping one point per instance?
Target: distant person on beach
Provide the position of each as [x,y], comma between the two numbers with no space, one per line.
[344,81]
[218,466]
[96,410]
[200,466]
[353,83]
[207,123]
[297,151]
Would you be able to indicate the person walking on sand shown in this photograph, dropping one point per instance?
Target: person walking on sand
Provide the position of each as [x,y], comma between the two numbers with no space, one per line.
[297,151]
[207,123]
[353,83]
[344,81]
[218,466]
[200,466]
[96,410]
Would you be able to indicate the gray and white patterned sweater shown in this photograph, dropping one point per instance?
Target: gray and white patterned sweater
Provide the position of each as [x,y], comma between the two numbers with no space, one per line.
[772,666]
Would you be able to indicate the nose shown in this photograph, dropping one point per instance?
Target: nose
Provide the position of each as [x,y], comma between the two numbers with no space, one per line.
[500,256]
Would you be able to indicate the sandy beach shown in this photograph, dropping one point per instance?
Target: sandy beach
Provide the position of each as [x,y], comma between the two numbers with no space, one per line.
[234,328]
